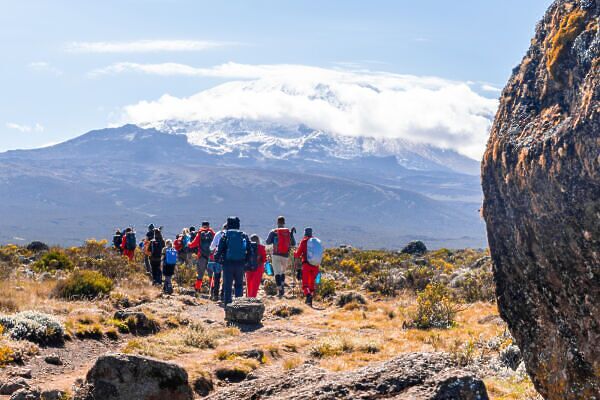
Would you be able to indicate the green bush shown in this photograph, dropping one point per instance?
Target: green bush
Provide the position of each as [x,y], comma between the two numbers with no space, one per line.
[52,261]
[326,288]
[476,286]
[419,277]
[435,307]
[34,326]
[84,284]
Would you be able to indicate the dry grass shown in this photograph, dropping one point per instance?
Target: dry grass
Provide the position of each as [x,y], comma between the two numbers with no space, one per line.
[292,362]
[511,389]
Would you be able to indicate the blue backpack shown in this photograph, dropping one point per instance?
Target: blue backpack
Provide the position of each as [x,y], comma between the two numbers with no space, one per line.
[252,263]
[171,256]
[236,245]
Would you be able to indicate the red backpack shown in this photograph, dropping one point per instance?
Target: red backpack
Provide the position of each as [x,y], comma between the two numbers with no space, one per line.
[282,245]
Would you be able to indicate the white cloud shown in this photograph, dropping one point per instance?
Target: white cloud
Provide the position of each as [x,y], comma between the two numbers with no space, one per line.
[489,88]
[143,46]
[427,110]
[25,128]
[43,66]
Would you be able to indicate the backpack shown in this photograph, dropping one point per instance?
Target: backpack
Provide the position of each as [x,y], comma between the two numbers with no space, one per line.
[155,249]
[171,256]
[282,242]
[117,240]
[206,238]
[147,250]
[252,263]
[130,242]
[192,237]
[236,245]
[314,252]
[185,241]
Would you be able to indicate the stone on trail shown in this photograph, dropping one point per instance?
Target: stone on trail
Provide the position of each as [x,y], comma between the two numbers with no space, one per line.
[245,310]
[415,376]
[129,377]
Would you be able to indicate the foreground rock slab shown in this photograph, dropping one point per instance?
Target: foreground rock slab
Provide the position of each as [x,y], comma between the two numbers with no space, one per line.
[127,377]
[417,376]
[541,182]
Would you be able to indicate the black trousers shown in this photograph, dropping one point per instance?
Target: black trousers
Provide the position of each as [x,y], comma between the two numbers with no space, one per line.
[156,271]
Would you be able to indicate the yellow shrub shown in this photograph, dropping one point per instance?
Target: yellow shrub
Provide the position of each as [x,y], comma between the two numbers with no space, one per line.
[350,267]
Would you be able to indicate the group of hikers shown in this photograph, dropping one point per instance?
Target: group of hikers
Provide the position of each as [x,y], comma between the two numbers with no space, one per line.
[229,256]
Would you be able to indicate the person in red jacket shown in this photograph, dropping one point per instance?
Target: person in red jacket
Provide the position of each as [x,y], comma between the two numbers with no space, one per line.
[129,248]
[253,278]
[202,241]
[309,272]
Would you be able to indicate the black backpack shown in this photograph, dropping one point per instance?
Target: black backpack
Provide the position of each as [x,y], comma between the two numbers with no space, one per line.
[130,242]
[252,262]
[155,248]
[206,238]
[117,240]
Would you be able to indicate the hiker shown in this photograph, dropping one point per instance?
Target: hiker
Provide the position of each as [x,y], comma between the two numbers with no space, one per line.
[156,246]
[254,276]
[202,241]
[232,254]
[129,244]
[117,241]
[146,249]
[191,250]
[215,268]
[178,245]
[169,261]
[282,240]
[310,252]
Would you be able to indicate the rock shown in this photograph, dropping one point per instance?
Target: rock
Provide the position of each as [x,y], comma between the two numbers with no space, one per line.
[541,183]
[411,376]
[53,359]
[245,310]
[128,377]
[286,310]
[44,276]
[26,394]
[203,385]
[12,385]
[416,247]
[53,394]
[138,322]
[510,357]
[37,247]
[21,372]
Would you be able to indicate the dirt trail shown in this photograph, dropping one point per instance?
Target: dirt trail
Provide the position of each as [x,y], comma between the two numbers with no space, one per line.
[79,355]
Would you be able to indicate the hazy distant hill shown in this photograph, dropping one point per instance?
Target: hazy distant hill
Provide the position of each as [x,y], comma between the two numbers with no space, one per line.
[363,191]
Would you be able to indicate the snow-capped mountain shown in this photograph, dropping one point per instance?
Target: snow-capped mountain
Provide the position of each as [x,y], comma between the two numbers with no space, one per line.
[273,141]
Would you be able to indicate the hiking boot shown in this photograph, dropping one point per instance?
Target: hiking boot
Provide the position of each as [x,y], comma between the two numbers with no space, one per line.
[309,300]
[281,292]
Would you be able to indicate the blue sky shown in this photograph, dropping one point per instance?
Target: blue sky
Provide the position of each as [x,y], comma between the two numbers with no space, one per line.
[69,67]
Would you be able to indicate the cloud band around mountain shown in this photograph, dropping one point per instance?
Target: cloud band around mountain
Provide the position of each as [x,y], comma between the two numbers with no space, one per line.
[143,46]
[444,113]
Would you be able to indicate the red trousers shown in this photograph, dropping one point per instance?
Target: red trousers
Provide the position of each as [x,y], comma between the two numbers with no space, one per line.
[129,254]
[309,273]
[253,281]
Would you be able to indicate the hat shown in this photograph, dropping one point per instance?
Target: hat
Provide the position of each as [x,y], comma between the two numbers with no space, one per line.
[205,223]
[151,227]
[308,232]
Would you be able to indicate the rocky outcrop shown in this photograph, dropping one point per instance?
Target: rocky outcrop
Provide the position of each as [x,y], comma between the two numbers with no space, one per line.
[127,377]
[541,182]
[245,310]
[416,247]
[412,376]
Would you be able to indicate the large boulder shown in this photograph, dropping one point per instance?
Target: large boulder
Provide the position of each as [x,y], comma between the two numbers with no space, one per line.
[415,376]
[541,182]
[128,377]
[416,247]
[245,310]
[37,247]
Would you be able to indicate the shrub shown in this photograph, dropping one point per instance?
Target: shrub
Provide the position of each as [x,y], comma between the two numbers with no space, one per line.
[331,346]
[435,308]
[476,285]
[196,335]
[419,277]
[83,284]
[350,297]
[326,288]
[33,326]
[385,282]
[52,261]
[235,371]
[85,331]
[185,275]
[463,353]
[286,311]
[270,287]
[350,267]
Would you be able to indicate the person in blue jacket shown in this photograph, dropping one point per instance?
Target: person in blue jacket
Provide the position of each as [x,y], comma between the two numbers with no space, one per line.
[233,252]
